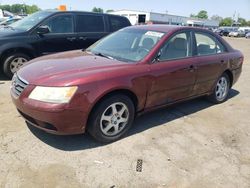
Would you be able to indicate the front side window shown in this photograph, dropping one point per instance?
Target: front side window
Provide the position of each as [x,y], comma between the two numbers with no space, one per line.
[89,23]
[128,45]
[176,48]
[60,24]
[207,45]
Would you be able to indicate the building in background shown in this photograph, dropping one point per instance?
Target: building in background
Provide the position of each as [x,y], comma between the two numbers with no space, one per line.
[141,17]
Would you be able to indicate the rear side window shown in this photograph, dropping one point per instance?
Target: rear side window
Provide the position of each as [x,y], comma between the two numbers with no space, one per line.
[117,23]
[89,23]
[207,45]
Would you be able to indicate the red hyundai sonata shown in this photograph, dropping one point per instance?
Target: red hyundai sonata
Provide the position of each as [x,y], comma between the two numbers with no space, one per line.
[136,69]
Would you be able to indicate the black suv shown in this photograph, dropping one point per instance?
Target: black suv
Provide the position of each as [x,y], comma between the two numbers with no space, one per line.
[53,31]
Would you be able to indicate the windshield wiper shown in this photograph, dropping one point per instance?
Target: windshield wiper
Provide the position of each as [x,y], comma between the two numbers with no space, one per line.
[103,55]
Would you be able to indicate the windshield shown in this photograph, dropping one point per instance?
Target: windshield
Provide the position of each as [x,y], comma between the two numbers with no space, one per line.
[30,21]
[129,45]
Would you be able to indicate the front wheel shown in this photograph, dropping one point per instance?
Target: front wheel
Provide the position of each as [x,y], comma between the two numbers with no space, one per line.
[221,90]
[111,119]
[13,62]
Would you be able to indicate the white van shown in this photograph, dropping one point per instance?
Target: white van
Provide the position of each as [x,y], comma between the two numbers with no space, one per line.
[244,29]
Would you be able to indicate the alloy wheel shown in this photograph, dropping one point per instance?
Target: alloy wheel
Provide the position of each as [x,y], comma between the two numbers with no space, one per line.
[16,63]
[114,119]
[221,89]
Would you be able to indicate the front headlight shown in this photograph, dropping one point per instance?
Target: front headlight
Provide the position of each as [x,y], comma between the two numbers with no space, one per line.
[53,94]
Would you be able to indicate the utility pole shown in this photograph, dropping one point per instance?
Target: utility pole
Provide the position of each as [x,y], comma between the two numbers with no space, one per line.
[234,18]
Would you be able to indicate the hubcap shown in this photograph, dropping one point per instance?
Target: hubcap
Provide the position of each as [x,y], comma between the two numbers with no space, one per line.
[17,63]
[221,89]
[114,119]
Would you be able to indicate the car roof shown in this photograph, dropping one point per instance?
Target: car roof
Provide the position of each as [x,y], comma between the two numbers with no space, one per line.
[165,28]
[77,11]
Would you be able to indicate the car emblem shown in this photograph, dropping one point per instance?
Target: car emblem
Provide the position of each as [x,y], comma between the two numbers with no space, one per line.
[14,83]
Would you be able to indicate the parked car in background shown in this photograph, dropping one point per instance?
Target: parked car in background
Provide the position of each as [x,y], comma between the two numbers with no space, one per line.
[222,32]
[245,29]
[134,70]
[52,31]
[237,33]
[248,35]
[9,21]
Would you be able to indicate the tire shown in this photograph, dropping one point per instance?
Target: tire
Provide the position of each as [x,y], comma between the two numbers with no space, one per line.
[13,62]
[221,90]
[107,126]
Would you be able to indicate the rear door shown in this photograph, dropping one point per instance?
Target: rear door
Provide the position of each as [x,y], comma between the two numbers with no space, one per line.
[61,36]
[90,28]
[210,57]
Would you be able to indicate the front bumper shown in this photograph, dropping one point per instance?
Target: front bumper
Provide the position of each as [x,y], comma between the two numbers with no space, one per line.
[53,118]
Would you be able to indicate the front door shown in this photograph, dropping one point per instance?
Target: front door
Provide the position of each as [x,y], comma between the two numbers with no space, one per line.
[173,75]
[61,36]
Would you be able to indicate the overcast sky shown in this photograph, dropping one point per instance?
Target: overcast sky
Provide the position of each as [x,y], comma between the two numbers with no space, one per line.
[224,8]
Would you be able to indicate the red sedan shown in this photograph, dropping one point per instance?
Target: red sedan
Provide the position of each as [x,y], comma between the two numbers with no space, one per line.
[136,69]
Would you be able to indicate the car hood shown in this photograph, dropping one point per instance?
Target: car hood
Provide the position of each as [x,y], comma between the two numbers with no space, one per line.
[68,68]
[6,32]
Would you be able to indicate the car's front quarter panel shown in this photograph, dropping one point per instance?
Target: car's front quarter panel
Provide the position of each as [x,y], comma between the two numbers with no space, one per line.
[20,41]
[134,79]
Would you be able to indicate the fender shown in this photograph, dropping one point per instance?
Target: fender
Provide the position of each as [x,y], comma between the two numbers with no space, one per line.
[102,89]
[17,45]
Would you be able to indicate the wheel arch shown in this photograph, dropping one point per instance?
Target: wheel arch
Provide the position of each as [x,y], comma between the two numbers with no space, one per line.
[124,91]
[230,75]
[27,50]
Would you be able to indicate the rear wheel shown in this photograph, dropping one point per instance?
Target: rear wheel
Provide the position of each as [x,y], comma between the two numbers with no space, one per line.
[13,62]
[221,89]
[111,119]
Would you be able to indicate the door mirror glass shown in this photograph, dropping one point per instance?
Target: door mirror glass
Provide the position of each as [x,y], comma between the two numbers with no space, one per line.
[157,57]
[43,30]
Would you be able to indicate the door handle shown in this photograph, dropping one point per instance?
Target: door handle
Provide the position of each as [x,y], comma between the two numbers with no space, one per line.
[71,38]
[222,62]
[82,38]
[191,68]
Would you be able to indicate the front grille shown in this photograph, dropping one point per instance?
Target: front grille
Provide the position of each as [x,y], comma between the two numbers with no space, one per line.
[18,85]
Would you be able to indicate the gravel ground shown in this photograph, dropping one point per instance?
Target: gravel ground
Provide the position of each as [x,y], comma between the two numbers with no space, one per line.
[192,144]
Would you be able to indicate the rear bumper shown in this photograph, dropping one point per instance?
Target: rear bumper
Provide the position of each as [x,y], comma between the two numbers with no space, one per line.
[236,74]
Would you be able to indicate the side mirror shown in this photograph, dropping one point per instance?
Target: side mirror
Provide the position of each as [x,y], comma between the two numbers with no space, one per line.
[43,30]
[157,57]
